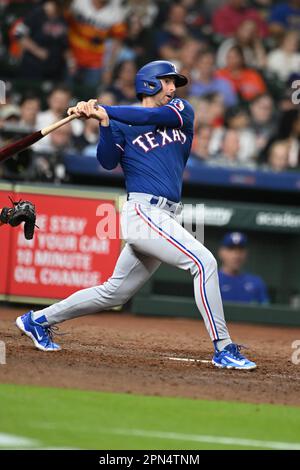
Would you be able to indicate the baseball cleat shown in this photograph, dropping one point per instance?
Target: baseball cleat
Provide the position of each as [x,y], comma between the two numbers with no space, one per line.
[38,331]
[231,358]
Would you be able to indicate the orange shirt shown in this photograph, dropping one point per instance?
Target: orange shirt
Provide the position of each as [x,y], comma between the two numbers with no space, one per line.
[247,82]
[87,33]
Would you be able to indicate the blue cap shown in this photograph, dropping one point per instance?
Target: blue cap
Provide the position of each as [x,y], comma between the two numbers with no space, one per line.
[233,239]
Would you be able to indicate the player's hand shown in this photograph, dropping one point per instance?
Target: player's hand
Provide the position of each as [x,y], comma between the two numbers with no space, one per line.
[74,110]
[90,109]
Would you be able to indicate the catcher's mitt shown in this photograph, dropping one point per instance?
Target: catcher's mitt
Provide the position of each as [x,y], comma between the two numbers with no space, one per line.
[22,211]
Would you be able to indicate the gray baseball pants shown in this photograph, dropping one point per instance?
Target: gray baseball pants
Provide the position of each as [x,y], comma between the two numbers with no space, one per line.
[153,236]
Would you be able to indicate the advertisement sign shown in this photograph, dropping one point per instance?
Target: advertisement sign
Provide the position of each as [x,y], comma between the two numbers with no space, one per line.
[5,234]
[67,253]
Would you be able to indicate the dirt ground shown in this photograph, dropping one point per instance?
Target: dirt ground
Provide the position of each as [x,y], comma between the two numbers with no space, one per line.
[120,352]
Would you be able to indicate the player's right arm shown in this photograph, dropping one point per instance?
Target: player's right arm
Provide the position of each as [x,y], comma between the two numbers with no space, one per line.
[111,140]
[110,147]
[111,144]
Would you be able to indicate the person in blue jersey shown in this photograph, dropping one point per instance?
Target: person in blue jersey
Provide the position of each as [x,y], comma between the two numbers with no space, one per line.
[236,285]
[152,144]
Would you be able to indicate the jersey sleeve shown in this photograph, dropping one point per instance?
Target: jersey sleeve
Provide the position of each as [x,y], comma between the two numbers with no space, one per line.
[184,111]
[110,148]
[118,136]
[278,15]
[142,116]
[262,292]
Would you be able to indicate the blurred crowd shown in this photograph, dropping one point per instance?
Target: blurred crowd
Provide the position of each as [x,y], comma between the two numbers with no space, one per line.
[242,58]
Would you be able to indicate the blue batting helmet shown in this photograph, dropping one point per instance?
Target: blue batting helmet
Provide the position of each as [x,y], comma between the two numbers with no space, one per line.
[147,79]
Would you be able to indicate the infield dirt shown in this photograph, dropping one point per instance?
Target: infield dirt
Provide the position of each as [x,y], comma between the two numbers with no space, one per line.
[127,353]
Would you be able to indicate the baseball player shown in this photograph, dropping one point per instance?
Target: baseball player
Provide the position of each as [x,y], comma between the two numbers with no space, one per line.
[235,284]
[21,211]
[152,143]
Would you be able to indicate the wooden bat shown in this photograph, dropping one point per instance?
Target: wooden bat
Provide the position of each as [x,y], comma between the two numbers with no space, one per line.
[30,139]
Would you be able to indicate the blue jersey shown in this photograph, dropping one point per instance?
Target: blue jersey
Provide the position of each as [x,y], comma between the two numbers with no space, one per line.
[153,144]
[286,15]
[242,288]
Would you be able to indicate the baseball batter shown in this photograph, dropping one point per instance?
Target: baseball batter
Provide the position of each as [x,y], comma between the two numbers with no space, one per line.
[152,143]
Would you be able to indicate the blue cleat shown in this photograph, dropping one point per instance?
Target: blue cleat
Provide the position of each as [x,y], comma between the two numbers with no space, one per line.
[231,358]
[38,331]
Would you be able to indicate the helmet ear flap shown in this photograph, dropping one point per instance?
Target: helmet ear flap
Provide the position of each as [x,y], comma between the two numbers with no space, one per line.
[150,84]
[147,86]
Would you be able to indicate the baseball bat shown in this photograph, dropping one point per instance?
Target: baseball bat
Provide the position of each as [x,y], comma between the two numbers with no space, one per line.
[30,139]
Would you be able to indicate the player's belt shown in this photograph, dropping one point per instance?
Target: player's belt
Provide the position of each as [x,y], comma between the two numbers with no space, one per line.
[157,201]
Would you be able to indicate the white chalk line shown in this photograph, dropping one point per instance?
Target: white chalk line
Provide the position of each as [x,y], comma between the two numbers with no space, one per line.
[174,436]
[11,441]
[282,376]
[231,441]
[188,359]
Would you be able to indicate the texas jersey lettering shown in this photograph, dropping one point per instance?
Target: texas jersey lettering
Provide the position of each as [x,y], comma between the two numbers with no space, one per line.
[157,151]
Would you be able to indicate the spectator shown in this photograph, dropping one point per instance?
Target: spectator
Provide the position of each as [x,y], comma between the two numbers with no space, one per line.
[189,53]
[48,162]
[236,285]
[263,120]
[123,86]
[237,118]
[228,17]
[139,40]
[247,82]
[210,6]
[228,154]
[248,39]
[204,80]
[30,107]
[284,17]
[91,23]
[9,114]
[233,146]
[289,130]
[278,156]
[146,10]
[58,102]
[197,17]
[44,39]
[107,98]
[201,143]
[209,109]
[19,166]
[89,136]
[285,60]
[170,39]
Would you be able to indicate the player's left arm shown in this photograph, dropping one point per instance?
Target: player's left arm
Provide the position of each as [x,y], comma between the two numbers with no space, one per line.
[177,114]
